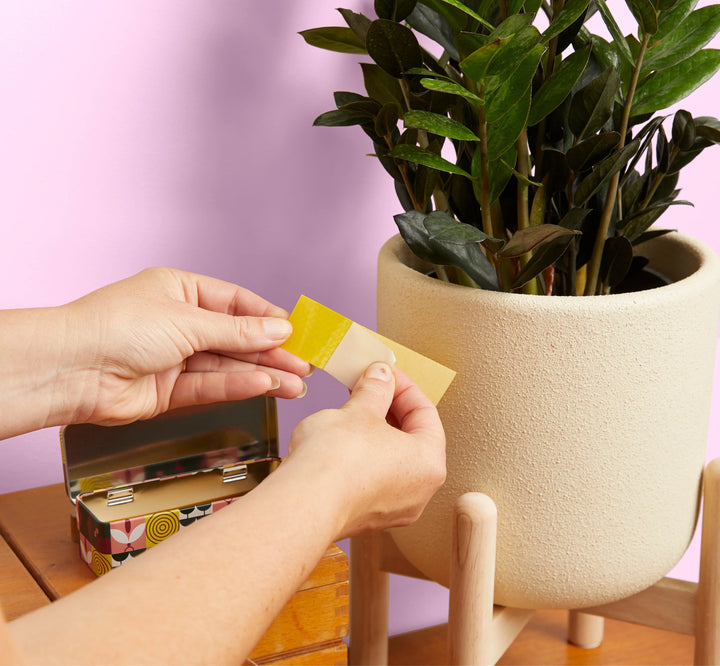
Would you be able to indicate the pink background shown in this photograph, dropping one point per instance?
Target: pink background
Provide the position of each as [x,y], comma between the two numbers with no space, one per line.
[136,134]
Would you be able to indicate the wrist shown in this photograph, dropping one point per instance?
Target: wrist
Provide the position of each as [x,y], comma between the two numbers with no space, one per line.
[40,370]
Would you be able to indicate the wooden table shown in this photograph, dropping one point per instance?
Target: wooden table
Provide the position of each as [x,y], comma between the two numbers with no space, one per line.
[40,563]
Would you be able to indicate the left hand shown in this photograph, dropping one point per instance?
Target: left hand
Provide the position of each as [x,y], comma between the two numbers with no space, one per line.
[166,338]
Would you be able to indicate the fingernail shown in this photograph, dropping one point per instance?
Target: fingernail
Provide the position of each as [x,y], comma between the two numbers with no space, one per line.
[277,329]
[274,382]
[311,373]
[303,392]
[379,370]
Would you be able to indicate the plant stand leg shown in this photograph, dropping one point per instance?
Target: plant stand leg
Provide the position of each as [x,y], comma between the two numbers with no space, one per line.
[472,581]
[585,630]
[707,616]
[369,594]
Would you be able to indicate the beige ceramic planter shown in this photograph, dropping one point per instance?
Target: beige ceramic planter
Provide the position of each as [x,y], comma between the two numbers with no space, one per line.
[585,419]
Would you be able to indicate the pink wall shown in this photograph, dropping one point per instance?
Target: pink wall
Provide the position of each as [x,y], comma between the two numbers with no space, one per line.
[138,134]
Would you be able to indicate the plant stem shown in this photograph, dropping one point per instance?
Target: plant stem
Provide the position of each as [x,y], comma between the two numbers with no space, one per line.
[610,202]
[522,207]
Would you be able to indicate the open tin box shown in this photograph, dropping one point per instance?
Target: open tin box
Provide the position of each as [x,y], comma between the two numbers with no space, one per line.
[135,485]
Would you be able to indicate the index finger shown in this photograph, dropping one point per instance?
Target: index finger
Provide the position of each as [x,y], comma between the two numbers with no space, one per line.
[220,296]
[412,410]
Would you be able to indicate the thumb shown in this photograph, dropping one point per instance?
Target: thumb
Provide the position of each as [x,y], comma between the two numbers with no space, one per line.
[374,392]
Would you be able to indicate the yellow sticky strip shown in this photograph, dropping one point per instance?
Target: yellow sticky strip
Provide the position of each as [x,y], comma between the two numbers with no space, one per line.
[317,331]
[432,377]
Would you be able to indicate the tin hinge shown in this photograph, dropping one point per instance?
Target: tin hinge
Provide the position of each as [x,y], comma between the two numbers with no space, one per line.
[234,473]
[119,496]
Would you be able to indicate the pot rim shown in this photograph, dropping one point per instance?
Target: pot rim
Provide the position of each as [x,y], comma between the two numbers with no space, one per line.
[705,274]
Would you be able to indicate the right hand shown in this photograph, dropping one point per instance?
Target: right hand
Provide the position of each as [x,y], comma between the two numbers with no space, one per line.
[381,456]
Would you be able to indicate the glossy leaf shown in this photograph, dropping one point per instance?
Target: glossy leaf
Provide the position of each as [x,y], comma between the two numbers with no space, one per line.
[592,106]
[687,38]
[505,132]
[514,87]
[614,30]
[387,119]
[592,150]
[476,65]
[452,89]
[426,158]
[393,47]
[571,11]
[442,227]
[616,260]
[358,23]
[467,10]
[542,258]
[439,124]
[669,20]
[435,26]
[683,130]
[554,91]
[342,118]
[334,38]
[469,257]
[645,14]
[514,51]
[667,87]
[395,10]
[526,240]
[603,171]
[380,85]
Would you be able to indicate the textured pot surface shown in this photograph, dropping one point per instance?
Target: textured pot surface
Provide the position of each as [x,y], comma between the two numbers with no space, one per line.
[585,419]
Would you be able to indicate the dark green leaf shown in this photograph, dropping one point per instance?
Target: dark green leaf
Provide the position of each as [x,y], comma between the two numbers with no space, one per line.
[669,20]
[592,106]
[395,10]
[469,257]
[342,118]
[513,87]
[603,171]
[616,260]
[572,10]
[511,25]
[645,14]
[438,124]
[554,91]
[452,89]
[343,98]
[544,257]
[430,23]
[505,132]
[466,10]
[393,47]
[442,227]
[386,121]
[358,23]
[526,240]
[685,40]
[514,51]
[614,30]
[683,132]
[662,153]
[335,38]
[477,63]
[428,158]
[667,87]
[597,147]
[708,129]
[380,85]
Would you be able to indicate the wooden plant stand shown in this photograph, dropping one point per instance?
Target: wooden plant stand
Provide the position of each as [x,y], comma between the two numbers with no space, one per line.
[479,632]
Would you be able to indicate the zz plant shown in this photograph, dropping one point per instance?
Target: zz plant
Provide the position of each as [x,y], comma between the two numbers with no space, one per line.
[526,150]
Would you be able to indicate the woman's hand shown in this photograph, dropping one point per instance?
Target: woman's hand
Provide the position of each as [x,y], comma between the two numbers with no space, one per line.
[161,339]
[165,338]
[381,456]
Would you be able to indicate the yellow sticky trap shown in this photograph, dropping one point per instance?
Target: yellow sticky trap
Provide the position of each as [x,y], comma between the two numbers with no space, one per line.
[345,349]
